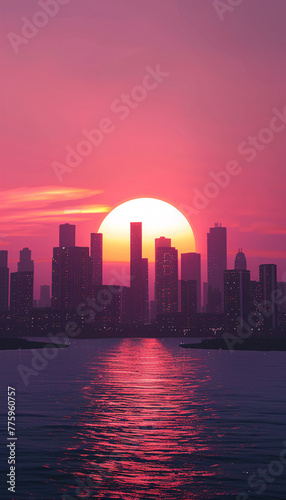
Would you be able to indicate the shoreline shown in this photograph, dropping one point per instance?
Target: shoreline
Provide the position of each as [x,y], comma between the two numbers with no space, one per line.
[13,344]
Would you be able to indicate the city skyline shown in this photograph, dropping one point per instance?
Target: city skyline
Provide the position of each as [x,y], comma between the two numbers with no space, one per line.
[232,256]
[77,276]
[42,255]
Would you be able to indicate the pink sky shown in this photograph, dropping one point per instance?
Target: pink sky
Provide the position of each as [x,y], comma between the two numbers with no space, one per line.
[225,78]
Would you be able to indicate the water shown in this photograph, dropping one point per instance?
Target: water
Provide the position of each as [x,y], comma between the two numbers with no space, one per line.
[145,419]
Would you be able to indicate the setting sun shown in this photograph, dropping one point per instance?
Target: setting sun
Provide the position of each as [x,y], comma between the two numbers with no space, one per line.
[158,219]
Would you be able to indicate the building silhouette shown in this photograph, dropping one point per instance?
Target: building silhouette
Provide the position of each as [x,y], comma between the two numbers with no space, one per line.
[255,302]
[205,297]
[21,293]
[217,264]
[67,235]
[166,277]
[191,270]
[152,311]
[126,316]
[70,277]
[255,295]
[108,303]
[189,299]
[96,258]
[240,263]
[136,293]
[139,307]
[45,298]
[281,287]
[145,291]
[162,242]
[25,264]
[4,280]
[268,282]
[236,299]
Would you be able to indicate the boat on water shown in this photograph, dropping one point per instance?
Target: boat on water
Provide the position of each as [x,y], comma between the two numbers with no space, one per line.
[250,344]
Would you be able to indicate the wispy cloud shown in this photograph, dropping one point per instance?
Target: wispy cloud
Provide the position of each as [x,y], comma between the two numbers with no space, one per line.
[24,210]
[42,196]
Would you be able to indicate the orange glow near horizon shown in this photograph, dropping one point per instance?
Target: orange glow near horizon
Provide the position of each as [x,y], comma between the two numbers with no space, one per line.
[158,218]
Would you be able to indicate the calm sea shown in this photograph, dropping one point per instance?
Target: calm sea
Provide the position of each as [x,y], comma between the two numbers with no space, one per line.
[144,419]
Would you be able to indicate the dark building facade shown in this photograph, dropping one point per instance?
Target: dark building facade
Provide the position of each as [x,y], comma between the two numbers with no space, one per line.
[138,277]
[189,302]
[268,282]
[191,270]
[281,287]
[67,235]
[255,295]
[70,277]
[205,297]
[145,291]
[96,240]
[166,277]
[21,293]
[45,296]
[4,280]
[108,303]
[236,299]
[25,264]
[217,264]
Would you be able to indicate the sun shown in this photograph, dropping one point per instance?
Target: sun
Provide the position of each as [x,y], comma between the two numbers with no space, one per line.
[158,218]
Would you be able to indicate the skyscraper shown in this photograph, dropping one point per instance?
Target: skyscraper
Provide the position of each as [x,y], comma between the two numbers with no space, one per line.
[138,276]
[217,264]
[205,297]
[236,298]
[162,242]
[255,295]
[268,282]
[26,264]
[166,277]
[189,299]
[4,280]
[240,263]
[67,235]
[145,292]
[70,277]
[96,258]
[109,302]
[191,270]
[21,293]
[45,299]
[4,258]
[281,286]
